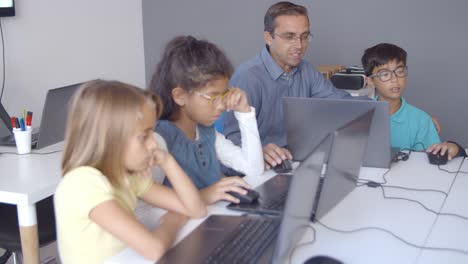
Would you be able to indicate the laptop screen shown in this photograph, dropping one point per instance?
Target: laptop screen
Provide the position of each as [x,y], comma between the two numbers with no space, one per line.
[327,115]
[322,180]
[54,115]
[344,164]
[5,125]
[301,198]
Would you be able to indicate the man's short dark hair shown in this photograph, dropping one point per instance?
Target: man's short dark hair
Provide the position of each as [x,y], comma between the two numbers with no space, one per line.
[282,9]
[381,54]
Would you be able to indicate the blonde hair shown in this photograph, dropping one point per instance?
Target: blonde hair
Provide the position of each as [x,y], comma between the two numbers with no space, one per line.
[101,119]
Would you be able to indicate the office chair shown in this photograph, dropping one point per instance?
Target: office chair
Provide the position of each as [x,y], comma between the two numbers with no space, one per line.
[9,228]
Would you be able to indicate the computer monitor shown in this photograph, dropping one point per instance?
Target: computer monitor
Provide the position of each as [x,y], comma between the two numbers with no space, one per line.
[309,120]
[7,8]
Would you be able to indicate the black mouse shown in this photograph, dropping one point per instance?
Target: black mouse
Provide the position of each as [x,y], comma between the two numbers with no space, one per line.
[250,197]
[284,167]
[437,159]
[322,260]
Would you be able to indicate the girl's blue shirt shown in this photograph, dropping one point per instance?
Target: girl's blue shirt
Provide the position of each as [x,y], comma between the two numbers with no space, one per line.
[197,157]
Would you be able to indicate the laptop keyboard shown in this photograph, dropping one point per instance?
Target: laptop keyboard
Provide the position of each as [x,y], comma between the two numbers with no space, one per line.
[247,242]
[278,203]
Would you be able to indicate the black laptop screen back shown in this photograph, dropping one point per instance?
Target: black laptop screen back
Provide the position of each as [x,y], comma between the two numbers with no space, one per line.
[344,164]
[336,163]
[308,120]
[300,201]
[5,125]
[54,115]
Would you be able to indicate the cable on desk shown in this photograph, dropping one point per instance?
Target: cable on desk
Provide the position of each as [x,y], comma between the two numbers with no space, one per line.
[422,205]
[455,250]
[304,243]
[31,153]
[416,189]
[364,181]
[454,172]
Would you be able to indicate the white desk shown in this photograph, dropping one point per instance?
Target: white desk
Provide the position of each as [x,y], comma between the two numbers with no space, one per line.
[449,231]
[366,207]
[25,180]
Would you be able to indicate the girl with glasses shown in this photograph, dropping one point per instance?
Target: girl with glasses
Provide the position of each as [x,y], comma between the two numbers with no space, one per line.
[192,81]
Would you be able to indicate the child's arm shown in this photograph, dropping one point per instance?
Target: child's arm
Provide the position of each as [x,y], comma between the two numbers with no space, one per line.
[249,158]
[151,244]
[184,198]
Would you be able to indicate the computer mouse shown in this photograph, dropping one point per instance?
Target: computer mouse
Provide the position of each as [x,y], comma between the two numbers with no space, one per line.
[322,260]
[250,197]
[284,167]
[232,172]
[437,159]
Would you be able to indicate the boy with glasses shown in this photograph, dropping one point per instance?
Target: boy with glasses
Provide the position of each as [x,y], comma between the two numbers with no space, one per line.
[386,70]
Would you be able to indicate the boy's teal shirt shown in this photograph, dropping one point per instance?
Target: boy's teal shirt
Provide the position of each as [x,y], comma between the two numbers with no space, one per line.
[411,128]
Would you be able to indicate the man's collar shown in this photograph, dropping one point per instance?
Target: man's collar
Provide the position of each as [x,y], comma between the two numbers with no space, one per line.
[272,66]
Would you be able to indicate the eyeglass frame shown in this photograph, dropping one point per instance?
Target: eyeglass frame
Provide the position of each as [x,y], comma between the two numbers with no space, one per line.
[212,98]
[294,37]
[392,72]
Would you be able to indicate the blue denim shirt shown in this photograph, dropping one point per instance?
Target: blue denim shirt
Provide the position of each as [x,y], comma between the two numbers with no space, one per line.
[265,84]
[196,157]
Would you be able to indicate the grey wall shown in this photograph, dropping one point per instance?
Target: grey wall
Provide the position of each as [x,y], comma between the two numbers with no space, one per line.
[53,43]
[432,31]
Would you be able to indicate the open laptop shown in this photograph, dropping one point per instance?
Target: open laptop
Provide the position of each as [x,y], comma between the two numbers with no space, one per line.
[351,140]
[326,115]
[54,116]
[321,181]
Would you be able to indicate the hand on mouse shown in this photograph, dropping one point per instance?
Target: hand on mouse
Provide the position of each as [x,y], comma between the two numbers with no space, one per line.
[218,190]
[274,155]
[444,147]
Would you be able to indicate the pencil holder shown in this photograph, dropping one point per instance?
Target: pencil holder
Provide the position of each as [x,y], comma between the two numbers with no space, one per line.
[23,141]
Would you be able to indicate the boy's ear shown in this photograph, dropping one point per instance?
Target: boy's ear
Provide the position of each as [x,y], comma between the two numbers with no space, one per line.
[179,95]
[267,37]
[370,81]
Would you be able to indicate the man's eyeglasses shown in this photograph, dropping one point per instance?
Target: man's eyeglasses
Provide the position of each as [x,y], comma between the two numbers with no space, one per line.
[386,75]
[291,38]
[214,99]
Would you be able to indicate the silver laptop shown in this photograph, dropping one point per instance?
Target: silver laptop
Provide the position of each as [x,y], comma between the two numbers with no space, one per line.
[308,120]
[54,116]
[351,139]
[320,182]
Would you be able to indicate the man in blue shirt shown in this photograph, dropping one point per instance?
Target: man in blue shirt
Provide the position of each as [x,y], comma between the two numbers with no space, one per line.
[279,71]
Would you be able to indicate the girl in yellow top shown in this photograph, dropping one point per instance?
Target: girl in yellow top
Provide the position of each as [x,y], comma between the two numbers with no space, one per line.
[109,152]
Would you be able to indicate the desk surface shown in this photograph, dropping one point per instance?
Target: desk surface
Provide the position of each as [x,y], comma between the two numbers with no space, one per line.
[29,178]
[366,207]
[450,231]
